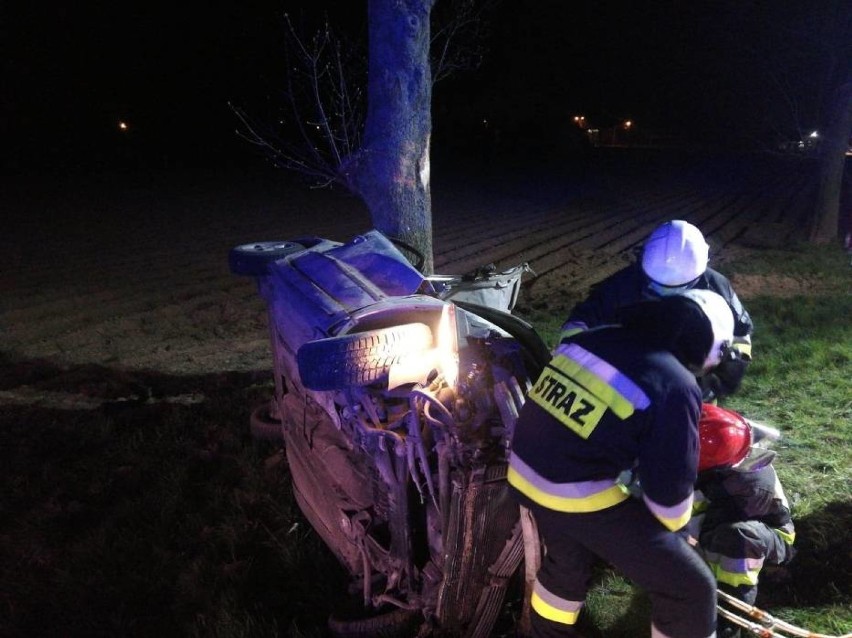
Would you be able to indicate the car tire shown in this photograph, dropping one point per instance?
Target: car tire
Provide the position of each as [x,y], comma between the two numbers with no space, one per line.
[360,358]
[253,259]
[265,427]
[397,623]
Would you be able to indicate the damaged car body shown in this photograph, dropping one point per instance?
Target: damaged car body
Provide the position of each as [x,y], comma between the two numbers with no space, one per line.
[395,398]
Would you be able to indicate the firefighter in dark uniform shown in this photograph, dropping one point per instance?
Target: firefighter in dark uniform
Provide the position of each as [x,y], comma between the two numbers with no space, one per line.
[613,399]
[674,259]
[741,514]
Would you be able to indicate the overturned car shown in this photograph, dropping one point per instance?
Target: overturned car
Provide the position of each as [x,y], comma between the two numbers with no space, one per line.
[395,398]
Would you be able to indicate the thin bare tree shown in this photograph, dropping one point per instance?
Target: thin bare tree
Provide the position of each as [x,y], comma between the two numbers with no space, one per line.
[316,125]
[362,119]
[836,122]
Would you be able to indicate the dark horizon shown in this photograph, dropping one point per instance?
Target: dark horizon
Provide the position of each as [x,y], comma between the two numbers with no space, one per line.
[75,73]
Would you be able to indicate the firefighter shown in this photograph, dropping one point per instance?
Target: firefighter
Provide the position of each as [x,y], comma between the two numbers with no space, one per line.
[741,514]
[674,259]
[618,398]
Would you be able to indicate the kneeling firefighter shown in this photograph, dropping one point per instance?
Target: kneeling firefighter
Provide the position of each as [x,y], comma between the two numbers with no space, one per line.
[612,399]
[741,516]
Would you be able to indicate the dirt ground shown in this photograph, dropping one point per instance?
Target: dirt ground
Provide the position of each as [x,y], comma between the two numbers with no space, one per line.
[129,272]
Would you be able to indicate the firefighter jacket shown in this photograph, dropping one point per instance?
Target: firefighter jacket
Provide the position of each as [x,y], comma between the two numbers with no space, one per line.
[630,285]
[733,495]
[607,402]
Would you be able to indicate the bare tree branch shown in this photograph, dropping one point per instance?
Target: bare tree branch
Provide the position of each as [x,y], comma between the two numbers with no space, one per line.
[324,93]
[459,30]
[324,101]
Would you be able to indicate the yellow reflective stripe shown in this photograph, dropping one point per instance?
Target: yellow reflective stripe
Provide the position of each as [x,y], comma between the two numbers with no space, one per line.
[673,524]
[673,516]
[592,503]
[734,579]
[568,402]
[699,507]
[550,612]
[600,388]
[787,537]
[743,347]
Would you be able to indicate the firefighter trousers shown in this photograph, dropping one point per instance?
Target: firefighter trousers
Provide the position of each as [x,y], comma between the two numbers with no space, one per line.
[737,551]
[679,584]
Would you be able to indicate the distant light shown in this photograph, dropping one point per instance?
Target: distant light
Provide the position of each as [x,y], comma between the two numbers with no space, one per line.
[814,134]
[628,124]
[122,126]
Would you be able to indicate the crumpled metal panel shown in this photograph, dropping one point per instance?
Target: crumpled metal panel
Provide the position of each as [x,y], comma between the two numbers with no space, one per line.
[327,478]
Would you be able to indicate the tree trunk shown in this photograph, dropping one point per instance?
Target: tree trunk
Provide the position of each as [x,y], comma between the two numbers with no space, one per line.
[824,228]
[392,172]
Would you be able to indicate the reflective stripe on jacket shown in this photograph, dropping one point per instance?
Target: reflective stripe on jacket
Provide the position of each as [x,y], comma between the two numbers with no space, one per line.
[580,496]
[587,420]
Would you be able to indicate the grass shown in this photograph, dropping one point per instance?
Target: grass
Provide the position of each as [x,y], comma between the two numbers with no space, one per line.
[800,382]
[156,518]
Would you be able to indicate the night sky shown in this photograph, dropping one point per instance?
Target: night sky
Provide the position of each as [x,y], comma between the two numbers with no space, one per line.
[78,69]
[73,71]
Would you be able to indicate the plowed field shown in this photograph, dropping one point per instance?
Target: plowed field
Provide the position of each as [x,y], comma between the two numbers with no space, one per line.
[129,272]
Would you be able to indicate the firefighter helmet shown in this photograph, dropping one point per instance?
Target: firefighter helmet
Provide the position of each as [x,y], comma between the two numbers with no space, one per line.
[724,438]
[675,255]
[721,318]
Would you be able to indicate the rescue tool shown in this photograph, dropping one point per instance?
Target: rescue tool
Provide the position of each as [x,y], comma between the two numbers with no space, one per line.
[760,623]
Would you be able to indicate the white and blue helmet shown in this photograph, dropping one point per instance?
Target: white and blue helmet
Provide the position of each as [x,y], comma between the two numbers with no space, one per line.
[674,256]
[721,319]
